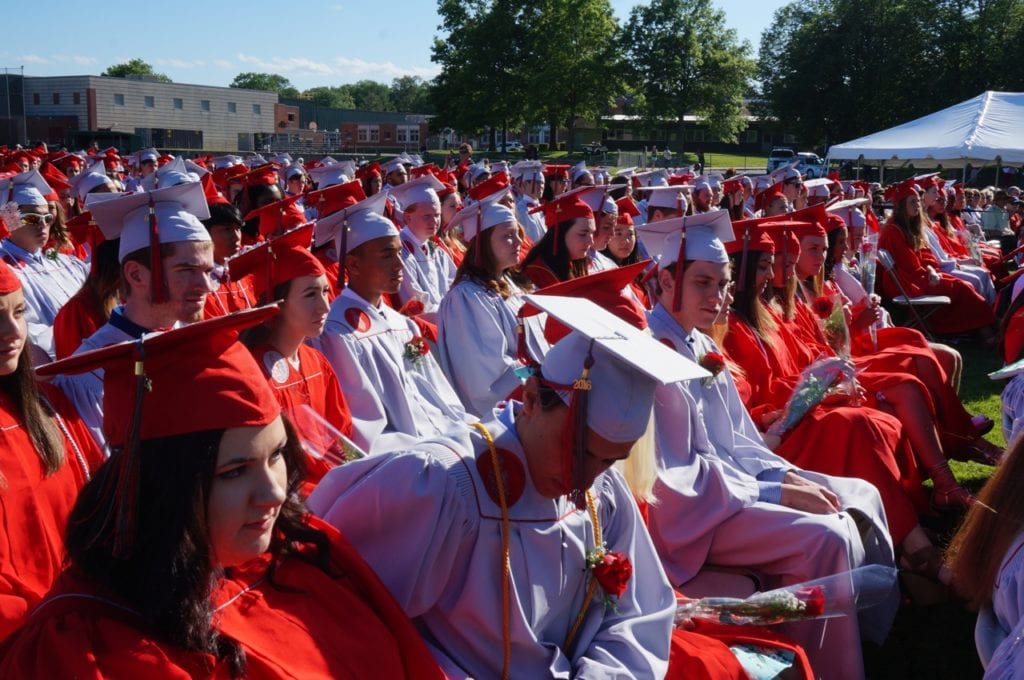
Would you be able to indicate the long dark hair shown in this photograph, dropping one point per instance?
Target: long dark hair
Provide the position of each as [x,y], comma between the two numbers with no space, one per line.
[478,266]
[746,299]
[912,228]
[102,286]
[558,262]
[830,260]
[34,412]
[169,574]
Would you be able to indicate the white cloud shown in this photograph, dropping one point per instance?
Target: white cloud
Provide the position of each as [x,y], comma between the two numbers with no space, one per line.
[181,63]
[32,59]
[78,59]
[82,60]
[223,63]
[379,70]
[287,65]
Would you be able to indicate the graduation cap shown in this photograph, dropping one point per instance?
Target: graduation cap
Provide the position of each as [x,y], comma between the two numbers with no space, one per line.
[334,198]
[484,214]
[261,175]
[399,161]
[336,173]
[170,174]
[89,179]
[420,190]
[750,236]
[666,197]
[9,281]
[189,379]
[608,289]
[476,171]
[554,170]
[901,190]
[492,184]
[57,181]
[677,240]
[578,171]
[25,188]
[147,155]
[627,210]
[651,178]
[225,176]
[369,170]
[354,225]
[528,171]
[278,216]
[149,219]
[606,371]
[818,187]
[429,169]
[277,261]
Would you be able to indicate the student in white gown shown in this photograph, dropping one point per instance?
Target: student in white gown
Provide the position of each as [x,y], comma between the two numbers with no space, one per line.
[531,487]
[724,498]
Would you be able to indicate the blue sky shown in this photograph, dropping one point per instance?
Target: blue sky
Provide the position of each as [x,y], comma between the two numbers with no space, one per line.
[311,43]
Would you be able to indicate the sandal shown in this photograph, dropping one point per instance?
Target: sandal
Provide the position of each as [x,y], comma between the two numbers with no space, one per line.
[956,498]
[984,452]
[924,576]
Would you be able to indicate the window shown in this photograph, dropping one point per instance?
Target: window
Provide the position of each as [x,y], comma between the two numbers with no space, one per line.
[387,136]
[76,97]
[291,117]
[56,97]
[149,102]
[369,133]
[179,104]
[118,100]
[407,134]
[35,98]
[232,107]
[257,109]
[751,136]
[204,104]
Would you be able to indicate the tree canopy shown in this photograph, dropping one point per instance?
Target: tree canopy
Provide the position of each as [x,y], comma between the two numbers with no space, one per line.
[268,82]
[134,67]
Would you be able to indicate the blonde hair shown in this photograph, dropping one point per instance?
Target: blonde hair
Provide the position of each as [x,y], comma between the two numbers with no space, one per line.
[640,469]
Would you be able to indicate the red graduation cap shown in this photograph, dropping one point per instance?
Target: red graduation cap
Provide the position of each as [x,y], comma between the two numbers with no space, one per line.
[277,261]
[334,198]
[764,199]
[278,216]
[491,185]
[213,195]
[9,281]
[189,379]
[901,190]
[369,170]
[732,185]
[224,176]
[57,180]
[556,170]
[261,175]
[429,169]
[627,211]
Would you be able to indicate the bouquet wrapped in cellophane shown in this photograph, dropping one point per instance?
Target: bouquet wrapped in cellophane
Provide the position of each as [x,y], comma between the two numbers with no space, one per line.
[832,321]
[320,439]
[828,597]
[868,263]
[826,377]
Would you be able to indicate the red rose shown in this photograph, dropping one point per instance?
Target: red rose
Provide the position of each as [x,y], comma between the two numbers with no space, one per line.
[413,307]
[814,598]
[613,573]
[713,362]
[823,307]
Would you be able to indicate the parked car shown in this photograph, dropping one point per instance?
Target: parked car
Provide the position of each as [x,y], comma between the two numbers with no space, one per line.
[811,165]
[779,156]
[595,148]
[512,145]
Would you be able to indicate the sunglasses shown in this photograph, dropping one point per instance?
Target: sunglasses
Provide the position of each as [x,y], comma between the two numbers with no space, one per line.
[34,220]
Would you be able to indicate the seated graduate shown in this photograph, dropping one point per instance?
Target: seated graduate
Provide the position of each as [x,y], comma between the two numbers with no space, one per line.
[189,552]
[513,536]
[725,499]
[396,390]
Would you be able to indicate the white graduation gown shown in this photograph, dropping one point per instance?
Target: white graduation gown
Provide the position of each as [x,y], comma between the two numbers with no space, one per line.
[533,224]
[978,277]
[1000,628]
[1013,408]
[477,343]
[429,272]
[426,523]
[731,527]
[600,262]
[394,402]
[48,283]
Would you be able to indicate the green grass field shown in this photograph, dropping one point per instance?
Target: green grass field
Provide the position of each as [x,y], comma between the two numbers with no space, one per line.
[717,161]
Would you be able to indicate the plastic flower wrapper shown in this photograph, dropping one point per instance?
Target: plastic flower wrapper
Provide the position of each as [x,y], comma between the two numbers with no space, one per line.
[826,377]
[321,440]
[868,262]
[971,246]
[840,594]
[832,321]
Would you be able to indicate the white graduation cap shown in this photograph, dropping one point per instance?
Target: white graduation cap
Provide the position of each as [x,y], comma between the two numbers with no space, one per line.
[626,172]
[352,226]
[178,210]
[666,197]
[578,171]
[255,161]
[227,161]
[703,235]
[652,178]
[477,170]
[847,203]
[420,190]
[173,173]
[596,197]
[628,365]
[281,158]
[398,161]
[330,175]
[484,214]
[785,172]
[149,154]
[25,188]
[292,170]
[90,178]
[818,187]
[528,171]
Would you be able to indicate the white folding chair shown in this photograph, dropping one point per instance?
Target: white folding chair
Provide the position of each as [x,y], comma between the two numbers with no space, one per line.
[920,307]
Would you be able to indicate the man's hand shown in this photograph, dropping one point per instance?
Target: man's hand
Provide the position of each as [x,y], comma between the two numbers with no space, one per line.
[802,494]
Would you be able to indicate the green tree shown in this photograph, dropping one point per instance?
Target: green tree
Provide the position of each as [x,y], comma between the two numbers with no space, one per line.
[268,82]
[335,97]
[369,95]
[575,69]
[410,94]
[688,62]
[134,67]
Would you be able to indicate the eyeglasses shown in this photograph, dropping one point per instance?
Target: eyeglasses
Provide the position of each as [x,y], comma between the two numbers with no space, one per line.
[34,220]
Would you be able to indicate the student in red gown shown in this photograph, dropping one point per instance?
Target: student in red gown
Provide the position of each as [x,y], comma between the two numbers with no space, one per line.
[918,271]
[231,293]
[190,555]
[46,456]
[90,307]
[562,253]
[284,269]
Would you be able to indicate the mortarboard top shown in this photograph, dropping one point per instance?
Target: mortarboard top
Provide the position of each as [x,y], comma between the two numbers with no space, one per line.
[568,206]
[278,216]
[478,170]
[9,281]
[732,185]
[556,170]
[627,206]
[491,185]
[596,198]
[281,158]
[703,236]
[785,172]
[486,213]
[578,171]
[395,163]
[223,162]
[420,190]
[334,173]
[498,166]
[145,155]
[336,197]
[651,178]
[56,179]
[752,235]
[87,180]
[260,175]
[25,188]
[628,365]
[293,170]
[256,160]
[528,170]
[419,171]
[277,261]
[901,190]
[625,172]
[369,170]
[355,224]
[667,197]
[847,203]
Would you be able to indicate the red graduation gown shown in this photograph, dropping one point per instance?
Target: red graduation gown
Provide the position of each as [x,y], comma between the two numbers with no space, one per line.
[34,508]
[77,319]
[316,626]
[230,296]
[873,446]
[314,384]
[968,310]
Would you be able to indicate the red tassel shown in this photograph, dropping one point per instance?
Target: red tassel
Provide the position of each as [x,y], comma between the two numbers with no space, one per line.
[342,251]
[677,292]
[158,294]
[127,489]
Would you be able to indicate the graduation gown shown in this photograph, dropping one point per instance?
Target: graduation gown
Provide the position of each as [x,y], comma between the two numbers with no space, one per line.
[428,523]
[540,275]
[76,320]
[743,524]
[34,507]
[968,310]
[477,343]
[1000,626]
[393,400]
[533,224]
[229,296]
[48,282]
[289,632]
[429,271]
[846,441]
[311,383]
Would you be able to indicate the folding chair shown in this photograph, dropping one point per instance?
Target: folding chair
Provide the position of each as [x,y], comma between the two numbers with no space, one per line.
[920,307]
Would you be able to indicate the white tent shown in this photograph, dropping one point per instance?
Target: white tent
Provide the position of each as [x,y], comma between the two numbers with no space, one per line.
[985,129]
